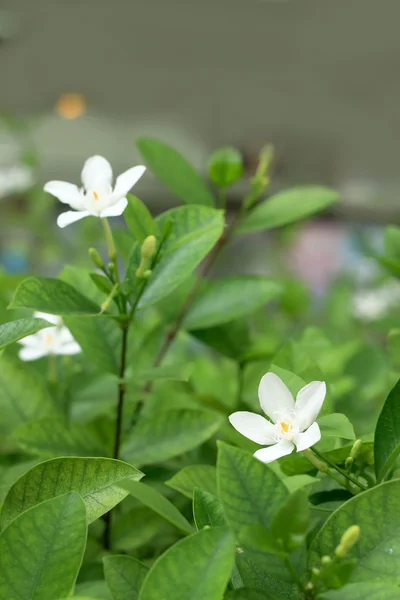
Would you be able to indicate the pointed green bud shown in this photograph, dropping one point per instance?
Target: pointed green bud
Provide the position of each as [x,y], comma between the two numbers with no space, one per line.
[326,560]
[349,538]
[149,247]
[316,571]
[355,451]
[349,463]
[96,258]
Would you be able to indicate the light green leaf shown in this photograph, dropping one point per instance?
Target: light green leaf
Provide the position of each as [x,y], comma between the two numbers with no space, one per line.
[231,298]
[96,479]
[42,550]
[157,502]
[225,166]
[392,242]
[93,590]
[178,372]
[336,425]
[207,510]
[287,207]
[387,434]
[16,330]
[175,172]
[52,437]
[368,590]
[187,479]
[196,568]
[248,594]
[139,219]
[23,395]
[171,433]
[124,576]
[195,230]
[290,523]
[377,552]
[52,296]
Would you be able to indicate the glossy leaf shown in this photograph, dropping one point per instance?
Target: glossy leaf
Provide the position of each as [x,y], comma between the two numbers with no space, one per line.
[231,298]
[207,510]
[287,207]
[96,479]
[157,502]
[225,166]
[377,552]
[139,219]
[196,568]
[175,172]
[41,551]
[16,330]
[124,576]
[171,433]
[387,434]
[187,479]
[52,296]
[336,425]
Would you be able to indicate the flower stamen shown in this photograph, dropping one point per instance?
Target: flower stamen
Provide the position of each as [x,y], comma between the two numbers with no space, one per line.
[95,195]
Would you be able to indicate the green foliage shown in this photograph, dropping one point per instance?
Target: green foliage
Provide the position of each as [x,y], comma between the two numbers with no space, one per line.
[124,576]
[175,172]
[16,330]
[207,510]
[203,477]
[387,434]
[41,551]
[364,591]
[225,167]
[139,219]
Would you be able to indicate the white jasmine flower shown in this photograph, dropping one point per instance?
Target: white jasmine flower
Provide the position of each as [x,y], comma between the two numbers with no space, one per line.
[51,340]
[15,179]
[97,196]
[293,423]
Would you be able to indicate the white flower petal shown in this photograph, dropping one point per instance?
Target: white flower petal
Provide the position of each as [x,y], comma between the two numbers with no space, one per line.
[50,318]
[127,180]
[68,193]
[116,209]
[254,427]
[275,398]
[70,217]
[32,341]
[96,173]
[267,455]
[30,353]
[308,438]
[309,402]
[69,348]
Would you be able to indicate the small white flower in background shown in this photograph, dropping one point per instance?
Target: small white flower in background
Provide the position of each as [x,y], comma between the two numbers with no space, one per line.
[97,197]
[293,423]
[15,179]
[49,341]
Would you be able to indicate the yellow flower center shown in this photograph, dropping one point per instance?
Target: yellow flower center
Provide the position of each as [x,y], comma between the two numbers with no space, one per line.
[95,195]
[48,339]
[284,426]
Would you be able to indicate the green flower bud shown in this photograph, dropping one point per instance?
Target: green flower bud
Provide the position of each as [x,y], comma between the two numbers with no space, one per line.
[349,538]
[149,247]
[349,463]
[355,451]
[326,560]
[96,258]
[316,571]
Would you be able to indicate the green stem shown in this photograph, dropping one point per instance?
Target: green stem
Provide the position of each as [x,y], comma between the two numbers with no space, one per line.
[112,251]
[295,576]
[53,375]
[341,471]
[323,467]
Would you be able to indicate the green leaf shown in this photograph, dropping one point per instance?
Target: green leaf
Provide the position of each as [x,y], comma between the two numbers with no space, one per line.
[124,576]
[135,528]
[101,282]
[377,552]
[16,330]
[230,298]
[174,372]
[289,525]
[139,219]
[336,425]
[52,296]
[23,395]
[175,172]
[171,433]
[368,590]
[42,550]
[196,568]
[250,492]
[287,207]
[248,594]
[231,340]
[157,502]
[195,230]
[96,479]
[392,242]
[52,437]
[225,166]
[187,479]
[207,510]
[387,434]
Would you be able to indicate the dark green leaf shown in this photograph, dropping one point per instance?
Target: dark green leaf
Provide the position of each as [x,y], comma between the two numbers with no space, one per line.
[124,576]
[171,433]
[207,510]
[175,172]
[135,528]
[187,479]
[16,330]
[52,296]
[139,219]
[196,568]
[225,166]
[287,207]
[96,479]
[157,502]
[387,434]
[377,552]
[289,525]
[41,551]
[248,594]
[230,298]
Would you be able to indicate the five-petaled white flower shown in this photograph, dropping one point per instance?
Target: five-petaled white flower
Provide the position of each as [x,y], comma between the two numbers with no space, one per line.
[96,197]
[48,341]
[293,423]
